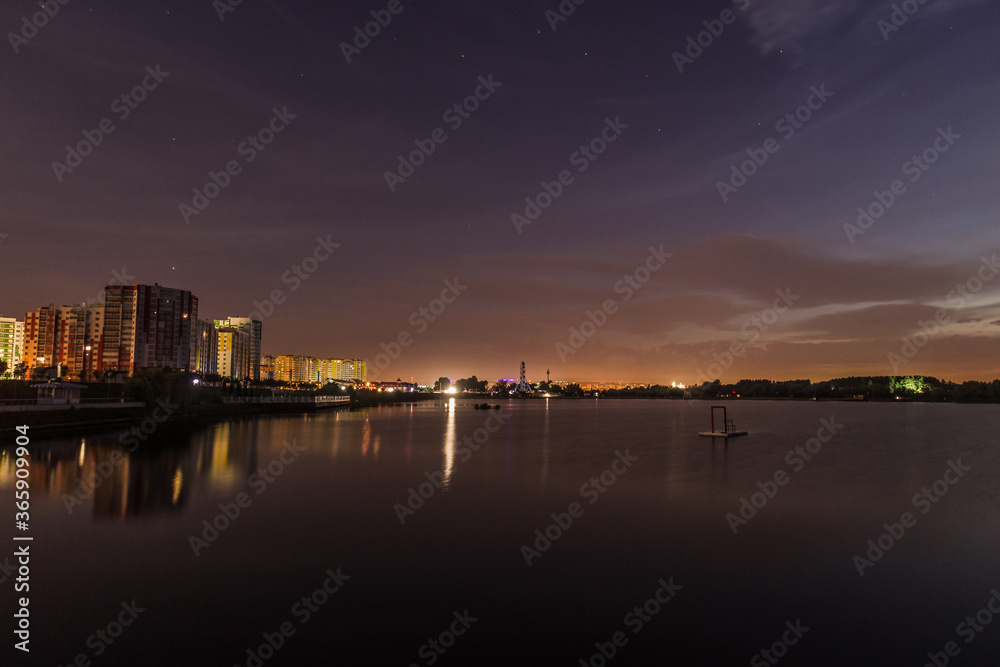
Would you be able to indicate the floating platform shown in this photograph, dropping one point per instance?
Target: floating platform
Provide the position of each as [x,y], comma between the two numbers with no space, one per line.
[728,428]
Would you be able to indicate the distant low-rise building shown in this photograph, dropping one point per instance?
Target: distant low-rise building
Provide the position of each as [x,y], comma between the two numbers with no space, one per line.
[398,385]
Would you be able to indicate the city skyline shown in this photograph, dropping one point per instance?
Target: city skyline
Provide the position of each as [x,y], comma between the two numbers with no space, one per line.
[745,190]
[723,365]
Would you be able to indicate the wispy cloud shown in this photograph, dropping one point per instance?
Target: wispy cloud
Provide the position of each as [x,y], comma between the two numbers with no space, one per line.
[789,24]
[792,25]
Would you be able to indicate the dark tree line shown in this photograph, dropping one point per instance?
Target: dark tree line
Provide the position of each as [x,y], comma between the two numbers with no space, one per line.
[875,388]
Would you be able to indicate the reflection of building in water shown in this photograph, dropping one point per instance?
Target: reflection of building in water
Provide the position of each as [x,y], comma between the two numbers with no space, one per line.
[103,474]
[141,485]
[53,470]
[352,415]
[226,453]
[369,440]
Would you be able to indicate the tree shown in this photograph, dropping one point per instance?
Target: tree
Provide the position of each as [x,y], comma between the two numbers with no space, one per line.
[3,367]
[911,384]
[472,384]
[708,389]
[170,386]
[20,370]
[332,389]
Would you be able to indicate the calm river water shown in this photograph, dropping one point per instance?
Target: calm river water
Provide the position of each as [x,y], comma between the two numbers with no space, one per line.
[390,536]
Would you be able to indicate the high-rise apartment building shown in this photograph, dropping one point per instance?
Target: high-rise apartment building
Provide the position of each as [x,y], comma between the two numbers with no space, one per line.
[206,344]
[18,343]
[233,356]
[292,368]
[68,339]
[149,326]
[324,370]
[352,369]
[93,351]
[11,343]
[295,368]
[267,371]
[253,329]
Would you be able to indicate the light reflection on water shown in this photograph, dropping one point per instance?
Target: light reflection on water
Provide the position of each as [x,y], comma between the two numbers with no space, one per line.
[449,444]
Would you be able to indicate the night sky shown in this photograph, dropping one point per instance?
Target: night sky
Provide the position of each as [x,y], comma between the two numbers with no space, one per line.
[880,93]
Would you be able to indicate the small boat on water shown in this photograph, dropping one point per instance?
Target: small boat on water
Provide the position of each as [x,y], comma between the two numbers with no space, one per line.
[728,428]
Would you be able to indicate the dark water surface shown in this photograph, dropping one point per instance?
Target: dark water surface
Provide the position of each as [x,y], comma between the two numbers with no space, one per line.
[330,509]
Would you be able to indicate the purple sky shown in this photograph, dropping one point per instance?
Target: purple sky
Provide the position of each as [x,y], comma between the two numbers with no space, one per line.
[879,97]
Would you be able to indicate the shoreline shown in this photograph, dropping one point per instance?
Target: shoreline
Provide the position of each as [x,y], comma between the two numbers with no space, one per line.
[41,423]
